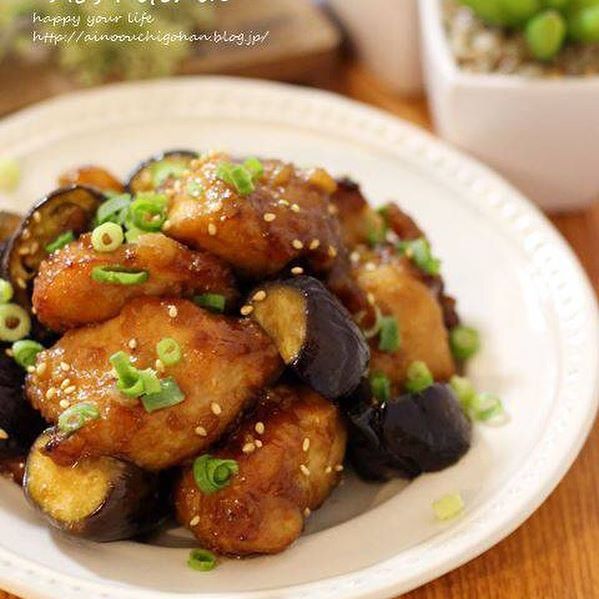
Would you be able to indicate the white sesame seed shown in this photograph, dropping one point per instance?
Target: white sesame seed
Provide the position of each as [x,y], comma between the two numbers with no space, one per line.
[247,309]
[369,266]
[295,208]
[26,234]
[305,470]
[248,448]
[3,434]
[201,431]
[314,244]
[258,443]
[259,428]
[37,217]
[328,470]
[339,468]
[30,369]
[306,444]
[50,393]
[21,283]
[70,389]
[259,296]
[212,229]
[159,365]
[194,521]
[65,383]
[34,247]
[9,353]
[64,403]
[297,270]
[23,251]
[172,311]
[64,367]
[167,225]
[41,368]
[371,299]
[333,209]
[33,310]
[297,244]
[283,202]
[132,343]
[216,409]
[269,217]
[307,512]
[332,251]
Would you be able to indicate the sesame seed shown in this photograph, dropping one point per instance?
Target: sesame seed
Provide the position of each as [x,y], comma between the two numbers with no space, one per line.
[297,270]
[132,343]
[65,383]
[3,434]
[328,470]
[284,202]
[41,368]
[248,448]
[339,468]
[333,209]
[258,443]
[307,512]
[70,389]
[26,234]
[172,311]
[295,208]
[9,352]
[305,470]
[34,247]
[21,283]
[194,521]
[167,225]
[259,428]
[216,409]
[314,244]
[30,369]
[332,251]
[159,365]
[247,309]
[37,217]
[371,299]
[269,217]
[64,367]
[23,251]
[201,431]
[369,266]
[297,244]
[306,444]
[33,310]
[50,393]
[259,296]
[64,403]
[212,229]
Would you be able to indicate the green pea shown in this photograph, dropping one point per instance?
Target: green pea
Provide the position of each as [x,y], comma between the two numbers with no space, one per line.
[488,10]
[583,25]
[517,12]
[545,34]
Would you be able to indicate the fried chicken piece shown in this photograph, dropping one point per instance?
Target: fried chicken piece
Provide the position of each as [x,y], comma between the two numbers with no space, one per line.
[287,216]
[93,176]
[225,363]
[65,296]
[398,289]
[289,453]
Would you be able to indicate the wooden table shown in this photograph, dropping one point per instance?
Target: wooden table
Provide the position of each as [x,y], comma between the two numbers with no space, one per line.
[555,554]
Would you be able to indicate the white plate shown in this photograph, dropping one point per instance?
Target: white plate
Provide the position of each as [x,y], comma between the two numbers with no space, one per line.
[515,279]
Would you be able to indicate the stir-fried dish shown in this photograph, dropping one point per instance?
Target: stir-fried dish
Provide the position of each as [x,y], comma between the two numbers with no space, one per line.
[217,339]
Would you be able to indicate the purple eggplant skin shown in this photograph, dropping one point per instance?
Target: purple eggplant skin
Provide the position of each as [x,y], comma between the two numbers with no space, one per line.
[408,435]
[133,503]
[19,421]
[334,354]
[139,179]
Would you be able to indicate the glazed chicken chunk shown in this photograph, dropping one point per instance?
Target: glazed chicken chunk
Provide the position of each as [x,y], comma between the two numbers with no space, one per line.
[289,454]
[224,364]
[287,216]
[66,296]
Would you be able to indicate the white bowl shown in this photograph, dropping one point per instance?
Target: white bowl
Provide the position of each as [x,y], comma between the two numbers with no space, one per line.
[542,134]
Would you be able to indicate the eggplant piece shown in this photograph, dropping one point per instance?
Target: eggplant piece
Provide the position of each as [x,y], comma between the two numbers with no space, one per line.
[155,171]
[66,209]
[314,334]
[20,424]
[408,435]
[101,499]
[9,222]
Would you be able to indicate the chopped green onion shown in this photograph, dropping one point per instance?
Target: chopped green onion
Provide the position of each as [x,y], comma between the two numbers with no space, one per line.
[169,395]
[77,416]
[114,210]
[119,275]
[377,229]
[213,474]
[165,169]
[389,336]
[151,383]
[169,351]
[419,251]
[211,301]
[15,322]
[419,377]
[10,174]
[107,237]
[6,291]
[464,391]
[449,506]
[255,167]
[132,381]
[148,211]
[194,189]
[133,234]
[464,342]
[380,385]
[236,176]
[25,352]
[62,240]
[376,327]
[201,560]
[487,407]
